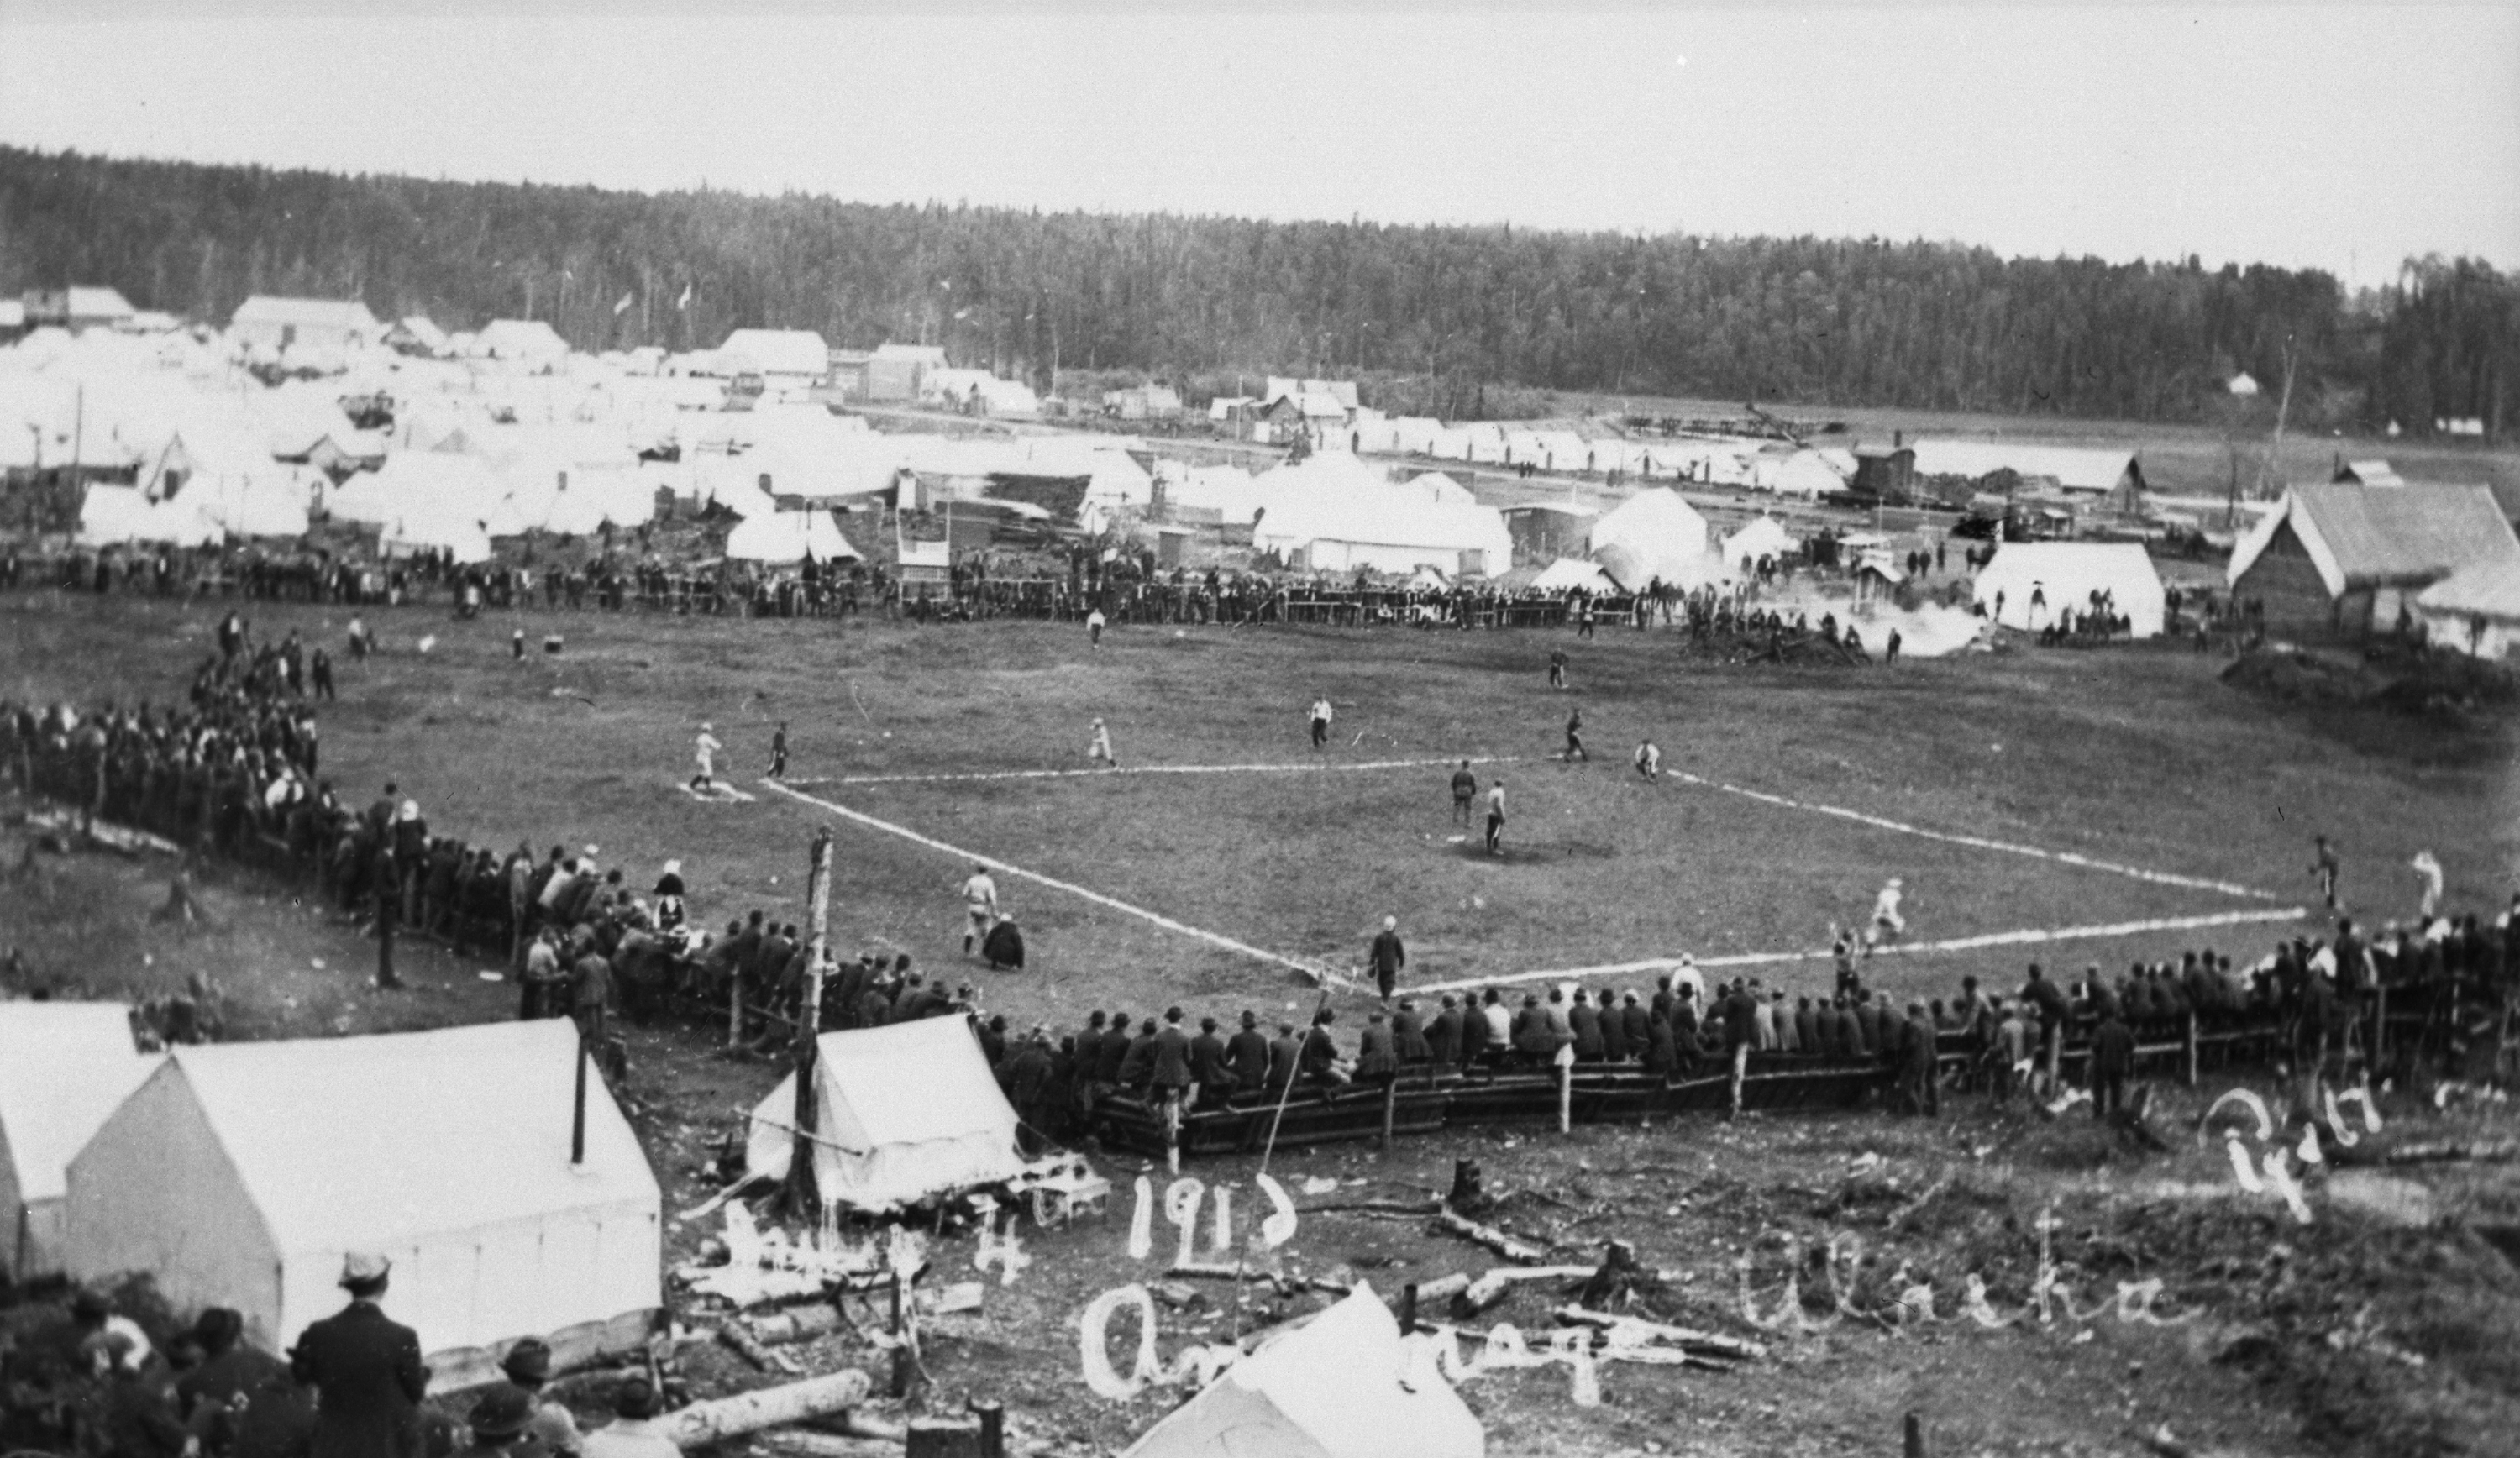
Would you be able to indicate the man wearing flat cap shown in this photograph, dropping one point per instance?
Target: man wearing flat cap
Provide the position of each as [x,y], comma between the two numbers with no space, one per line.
[365,1368]
[499,1419]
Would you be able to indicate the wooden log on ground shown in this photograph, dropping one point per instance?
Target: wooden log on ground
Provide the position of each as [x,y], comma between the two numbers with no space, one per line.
[716,1421]
[1491,1237]
[1418,1208]
[1443,1288]
[749,1346]
[1283,1285]
[827,1445]
[796,1324]
[1687,1339]
[1495,1285]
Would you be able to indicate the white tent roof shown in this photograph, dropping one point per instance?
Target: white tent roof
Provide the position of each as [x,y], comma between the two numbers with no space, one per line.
[479,1114]
[1335,498]
[1760,538]
[430,482]
[112,516]
[2066,574]
[1569,573]
[1655,534]
[1341,1386]
[65,1067]
[447,1151]
[906,1112]
[1807,474]
[781,351]
[519,339]
[2073,467]
[788,537]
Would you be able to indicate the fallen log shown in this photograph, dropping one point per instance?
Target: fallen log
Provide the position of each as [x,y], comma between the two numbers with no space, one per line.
[1443,1288]
[749,1346]
[796,1324]
[1492,1288]
[1283,1285]
[716,1421]
[826,1446]
[1687,1339]
[1372,1207]
[1908,1211]
[2444,1151]
[1491,1237]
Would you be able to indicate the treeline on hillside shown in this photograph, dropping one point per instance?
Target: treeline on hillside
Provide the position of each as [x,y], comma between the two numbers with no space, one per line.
[1929,326]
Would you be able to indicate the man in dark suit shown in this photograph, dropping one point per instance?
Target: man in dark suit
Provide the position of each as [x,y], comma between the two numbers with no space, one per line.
[1247,1054]
[1209,1080]
[1387,956]
[1169,1073]
[366,1371]
[1444,1035]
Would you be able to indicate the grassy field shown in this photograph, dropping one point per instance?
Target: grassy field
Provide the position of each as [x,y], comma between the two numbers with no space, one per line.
[2138,757]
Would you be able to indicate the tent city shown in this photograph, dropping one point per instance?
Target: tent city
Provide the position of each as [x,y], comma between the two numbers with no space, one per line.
[825,732]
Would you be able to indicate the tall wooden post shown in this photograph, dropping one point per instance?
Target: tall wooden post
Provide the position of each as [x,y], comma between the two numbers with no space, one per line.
[1912,1436]
[577,1111]
[2192,1048]
[801,1197]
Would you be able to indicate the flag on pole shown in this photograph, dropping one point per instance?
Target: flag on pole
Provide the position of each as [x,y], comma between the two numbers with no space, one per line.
[685,302]
[623,307]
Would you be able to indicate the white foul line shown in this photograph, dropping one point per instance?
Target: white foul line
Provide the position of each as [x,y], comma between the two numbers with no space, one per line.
[1312,970]
[2062,858]
[2029,936]
[1299,767]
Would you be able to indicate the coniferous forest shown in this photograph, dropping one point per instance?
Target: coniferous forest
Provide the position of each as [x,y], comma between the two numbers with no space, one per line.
[1796,320]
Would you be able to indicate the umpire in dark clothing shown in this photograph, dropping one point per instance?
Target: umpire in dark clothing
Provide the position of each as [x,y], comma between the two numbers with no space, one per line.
[1387,956]
[366,1371]
[2112,1063]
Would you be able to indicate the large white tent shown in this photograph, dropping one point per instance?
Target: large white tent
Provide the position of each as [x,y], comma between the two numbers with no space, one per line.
[240,1174]
[427,483]
[1568,573]
[780,537]
[2062,575]
[64,1068]
[1341,1386]
[1759,538]
[112,515]
[1656,535]
[903,1113]
[1347,516]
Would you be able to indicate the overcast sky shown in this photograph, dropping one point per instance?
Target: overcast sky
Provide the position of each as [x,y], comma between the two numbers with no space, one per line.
[2339,137]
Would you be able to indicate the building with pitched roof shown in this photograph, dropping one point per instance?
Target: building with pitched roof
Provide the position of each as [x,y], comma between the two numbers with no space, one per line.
[2350,557]
[273,323]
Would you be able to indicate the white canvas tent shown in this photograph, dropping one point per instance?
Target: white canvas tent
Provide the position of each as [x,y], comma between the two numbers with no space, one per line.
[64,1068]
[903,1113]
[1338,1387]
[1655,534]
[1569,573]
[240,1174]
[1760,538]
[2066,574]
[788,537]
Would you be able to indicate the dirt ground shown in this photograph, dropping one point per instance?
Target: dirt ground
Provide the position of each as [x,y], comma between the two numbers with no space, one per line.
[2383,1327]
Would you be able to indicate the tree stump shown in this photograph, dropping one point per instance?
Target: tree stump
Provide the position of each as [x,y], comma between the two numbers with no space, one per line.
[944,1438]
[1615,1280]
[1469,1193]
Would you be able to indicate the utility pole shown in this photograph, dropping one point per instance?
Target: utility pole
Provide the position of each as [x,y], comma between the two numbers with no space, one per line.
[800,1196]
[2283,409]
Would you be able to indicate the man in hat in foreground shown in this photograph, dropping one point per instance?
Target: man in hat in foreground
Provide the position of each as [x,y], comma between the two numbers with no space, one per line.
[365,1368]
[528,1365]
[634,1432]
[499,1420]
